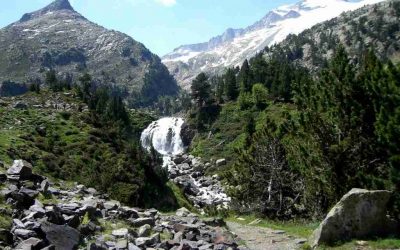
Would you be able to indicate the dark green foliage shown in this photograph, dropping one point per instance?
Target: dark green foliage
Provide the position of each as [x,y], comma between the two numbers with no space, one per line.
[245,77]
[334,130]
[35,87]
[157,82]
[231,88]
[260,95]
[170,105]
[84,90]
[9,88]
[201,90]
[219,88]
[56,84]
[264,181]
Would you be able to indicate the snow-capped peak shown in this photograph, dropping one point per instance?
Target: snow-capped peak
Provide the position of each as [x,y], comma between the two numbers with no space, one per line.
[235,45]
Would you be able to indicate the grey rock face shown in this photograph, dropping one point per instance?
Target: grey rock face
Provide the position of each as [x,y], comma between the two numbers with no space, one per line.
[62,237]
[144,231]
[220,162]
[142,221]
[360,213]
[20,170]
[57,37]
[31,243]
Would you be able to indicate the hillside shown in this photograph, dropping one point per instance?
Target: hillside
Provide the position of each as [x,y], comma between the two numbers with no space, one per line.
[65,139]
[373,27]
[298,132]
[57,37]
[235,45]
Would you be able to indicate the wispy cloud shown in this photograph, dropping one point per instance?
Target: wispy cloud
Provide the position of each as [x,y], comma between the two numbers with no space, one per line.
[167,3]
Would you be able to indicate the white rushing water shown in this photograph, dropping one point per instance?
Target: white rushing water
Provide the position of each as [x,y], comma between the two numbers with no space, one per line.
[164,136]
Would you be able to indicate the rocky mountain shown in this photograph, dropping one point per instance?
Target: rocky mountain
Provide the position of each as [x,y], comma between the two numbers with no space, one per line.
[57,37]
[236,45]
[374,27]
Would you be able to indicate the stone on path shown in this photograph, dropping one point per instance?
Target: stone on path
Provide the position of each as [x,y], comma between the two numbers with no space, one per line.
[360,213]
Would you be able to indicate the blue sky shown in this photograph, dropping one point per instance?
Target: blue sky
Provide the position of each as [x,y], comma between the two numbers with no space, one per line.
[161,25]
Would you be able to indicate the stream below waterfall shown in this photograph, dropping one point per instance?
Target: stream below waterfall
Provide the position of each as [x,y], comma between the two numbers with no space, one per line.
[187,171]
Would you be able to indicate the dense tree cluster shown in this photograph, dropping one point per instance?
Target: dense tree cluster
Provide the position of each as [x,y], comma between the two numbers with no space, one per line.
[324,133]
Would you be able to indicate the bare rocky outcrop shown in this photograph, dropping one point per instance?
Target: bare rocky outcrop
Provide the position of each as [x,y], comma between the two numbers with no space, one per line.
[360,213]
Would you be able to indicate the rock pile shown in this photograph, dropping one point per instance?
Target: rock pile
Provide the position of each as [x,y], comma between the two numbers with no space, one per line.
[188,172]
[48,215]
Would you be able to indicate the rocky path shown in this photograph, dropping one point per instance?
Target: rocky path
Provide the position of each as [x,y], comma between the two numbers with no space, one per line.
[260,238]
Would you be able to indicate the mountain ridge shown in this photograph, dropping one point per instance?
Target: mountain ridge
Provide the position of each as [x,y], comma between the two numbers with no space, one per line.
[236,45]
[57,37]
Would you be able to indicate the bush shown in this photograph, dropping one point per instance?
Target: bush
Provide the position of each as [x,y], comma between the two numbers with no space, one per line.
[260,95]
[245,100]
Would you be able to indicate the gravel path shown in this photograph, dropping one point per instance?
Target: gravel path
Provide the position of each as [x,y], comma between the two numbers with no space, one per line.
[260,238]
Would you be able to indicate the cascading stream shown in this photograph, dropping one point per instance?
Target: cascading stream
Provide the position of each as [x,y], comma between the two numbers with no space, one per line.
[164,136]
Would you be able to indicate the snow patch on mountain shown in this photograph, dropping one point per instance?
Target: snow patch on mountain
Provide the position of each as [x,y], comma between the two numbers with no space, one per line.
[236,45]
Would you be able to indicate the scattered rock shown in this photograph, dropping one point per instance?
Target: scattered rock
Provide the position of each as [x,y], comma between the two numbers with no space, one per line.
[143,241]
[144,231]
[142,221]
[120,233]
[20,105]
[61,222]
[111,205]
[300,241]
[182,212]
[31,243]
[24,233]
[220,162]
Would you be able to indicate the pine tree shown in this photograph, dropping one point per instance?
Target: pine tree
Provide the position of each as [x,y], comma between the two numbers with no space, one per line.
[245,77]
[201,90]
[231,89]
[51,80]
[85,88]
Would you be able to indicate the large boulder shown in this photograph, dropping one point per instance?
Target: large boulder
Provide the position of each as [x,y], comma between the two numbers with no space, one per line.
[20,170]
[63,237]
[360,213]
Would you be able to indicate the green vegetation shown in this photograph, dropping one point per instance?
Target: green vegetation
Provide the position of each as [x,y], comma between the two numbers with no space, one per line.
[85,135]
[298,229]
[5,214]
[296,142]
[370,244]
[180,197]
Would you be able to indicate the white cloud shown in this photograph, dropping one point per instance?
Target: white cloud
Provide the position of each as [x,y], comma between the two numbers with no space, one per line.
[167,3]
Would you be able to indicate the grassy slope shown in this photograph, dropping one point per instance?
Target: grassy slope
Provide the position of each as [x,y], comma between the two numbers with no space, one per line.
[73,148]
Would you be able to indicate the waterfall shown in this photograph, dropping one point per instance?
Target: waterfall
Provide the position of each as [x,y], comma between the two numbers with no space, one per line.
[164,136]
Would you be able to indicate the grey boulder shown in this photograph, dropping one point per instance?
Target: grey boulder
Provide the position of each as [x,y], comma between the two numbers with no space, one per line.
[63,237]
[360,213]
[20,170]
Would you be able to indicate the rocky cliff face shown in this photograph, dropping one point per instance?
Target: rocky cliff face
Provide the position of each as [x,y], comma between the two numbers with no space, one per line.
[235,45]
[57,37]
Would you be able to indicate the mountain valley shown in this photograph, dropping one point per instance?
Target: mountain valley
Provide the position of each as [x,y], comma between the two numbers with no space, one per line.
[282,135]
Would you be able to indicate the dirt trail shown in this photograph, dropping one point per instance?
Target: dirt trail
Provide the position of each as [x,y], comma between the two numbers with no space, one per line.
[260,238]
